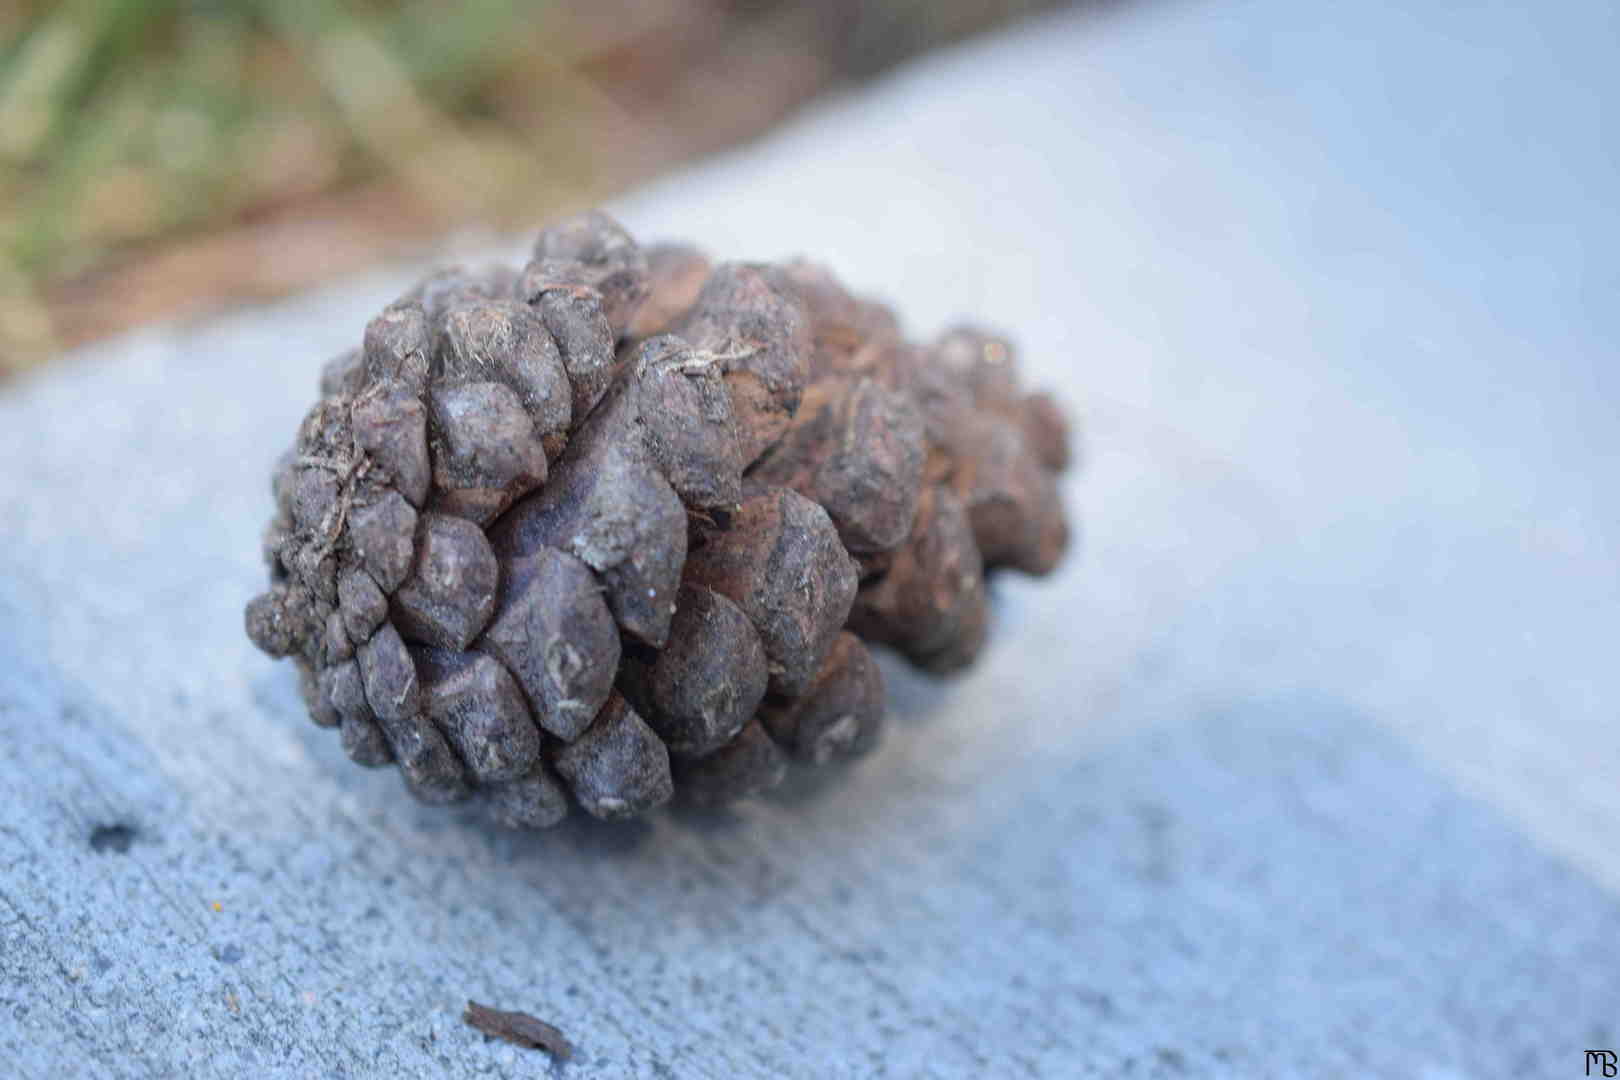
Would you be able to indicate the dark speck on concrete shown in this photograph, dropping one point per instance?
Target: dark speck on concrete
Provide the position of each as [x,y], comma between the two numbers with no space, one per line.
[228,954]
[114,838]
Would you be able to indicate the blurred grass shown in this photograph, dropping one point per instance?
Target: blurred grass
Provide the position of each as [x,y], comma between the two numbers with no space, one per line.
[156,154]
[125,117]
[127,120]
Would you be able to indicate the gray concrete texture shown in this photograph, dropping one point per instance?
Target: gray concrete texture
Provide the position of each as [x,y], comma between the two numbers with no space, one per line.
[1304,765]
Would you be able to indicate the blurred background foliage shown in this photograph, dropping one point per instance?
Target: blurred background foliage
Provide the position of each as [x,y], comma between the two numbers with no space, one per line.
[160,158]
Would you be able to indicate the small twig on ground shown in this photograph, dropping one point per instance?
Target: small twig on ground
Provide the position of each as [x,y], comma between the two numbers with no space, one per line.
[520,1028]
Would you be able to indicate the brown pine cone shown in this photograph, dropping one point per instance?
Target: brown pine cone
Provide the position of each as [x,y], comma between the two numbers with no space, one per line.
[623,525]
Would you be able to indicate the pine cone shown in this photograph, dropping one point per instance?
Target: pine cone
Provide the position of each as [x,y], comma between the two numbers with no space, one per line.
[623,525]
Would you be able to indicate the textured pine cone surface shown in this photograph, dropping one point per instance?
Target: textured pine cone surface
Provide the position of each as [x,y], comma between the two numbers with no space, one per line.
[624,526]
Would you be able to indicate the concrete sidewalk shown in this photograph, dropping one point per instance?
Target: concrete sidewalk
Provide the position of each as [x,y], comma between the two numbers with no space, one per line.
[1304,765]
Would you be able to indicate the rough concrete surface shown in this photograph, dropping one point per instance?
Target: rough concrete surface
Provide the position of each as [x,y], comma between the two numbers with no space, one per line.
[1304,766]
